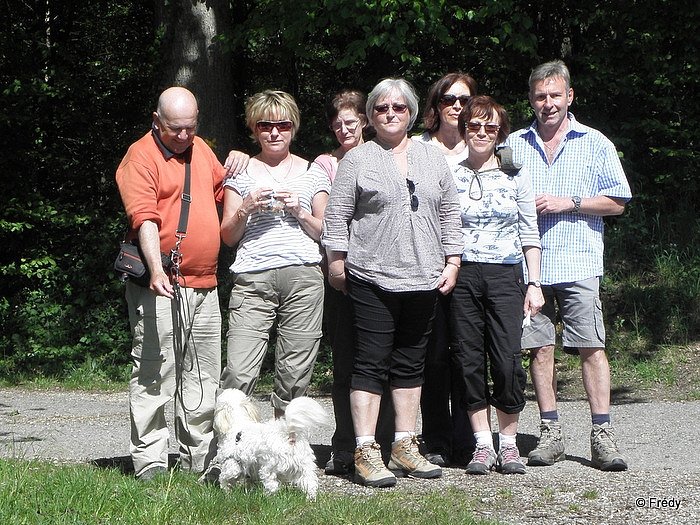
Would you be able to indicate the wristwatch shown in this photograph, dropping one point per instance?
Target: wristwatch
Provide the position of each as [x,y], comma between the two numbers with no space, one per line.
[577,204]
[536,284]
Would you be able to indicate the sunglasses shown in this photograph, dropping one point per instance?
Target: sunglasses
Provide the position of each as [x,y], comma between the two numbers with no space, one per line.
[350,125]
[267,126]
[475,127]
[412,193]
[449,100]
[398,108]
[476,194]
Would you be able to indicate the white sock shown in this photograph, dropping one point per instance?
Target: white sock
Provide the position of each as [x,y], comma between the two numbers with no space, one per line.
[484,438]
[361,440]
[398,436]
[504,440]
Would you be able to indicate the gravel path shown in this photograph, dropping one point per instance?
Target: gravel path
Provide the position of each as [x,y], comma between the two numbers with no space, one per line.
[658,438]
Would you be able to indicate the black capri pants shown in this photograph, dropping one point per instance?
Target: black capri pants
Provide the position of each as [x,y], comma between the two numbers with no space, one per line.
[392,331]
[487,316]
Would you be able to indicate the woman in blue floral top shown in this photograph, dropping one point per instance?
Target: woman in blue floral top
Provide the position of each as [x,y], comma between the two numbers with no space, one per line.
[490,301]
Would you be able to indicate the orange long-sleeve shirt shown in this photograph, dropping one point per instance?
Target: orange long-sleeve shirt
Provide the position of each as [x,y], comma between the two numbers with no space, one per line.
[150,181]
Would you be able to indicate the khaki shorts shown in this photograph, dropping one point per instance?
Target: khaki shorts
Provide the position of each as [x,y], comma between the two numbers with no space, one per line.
[578,307]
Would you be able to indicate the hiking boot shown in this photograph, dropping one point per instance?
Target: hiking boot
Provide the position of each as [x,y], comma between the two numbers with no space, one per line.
[152,473]
[407,461]
[340,463]
[370,470]
[604,452]
[550,447]
[437,457]
[483,460]
[509,460]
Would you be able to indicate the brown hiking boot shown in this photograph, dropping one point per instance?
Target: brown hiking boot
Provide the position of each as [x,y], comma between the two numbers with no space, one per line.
[407,461]
[370,470]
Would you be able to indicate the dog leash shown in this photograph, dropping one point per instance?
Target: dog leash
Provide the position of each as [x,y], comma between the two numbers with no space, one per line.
[183,344]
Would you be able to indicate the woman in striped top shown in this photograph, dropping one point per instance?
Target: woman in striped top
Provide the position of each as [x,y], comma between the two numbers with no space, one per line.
[273,212]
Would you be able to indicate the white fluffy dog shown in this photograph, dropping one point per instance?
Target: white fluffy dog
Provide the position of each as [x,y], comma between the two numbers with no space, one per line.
[273,452]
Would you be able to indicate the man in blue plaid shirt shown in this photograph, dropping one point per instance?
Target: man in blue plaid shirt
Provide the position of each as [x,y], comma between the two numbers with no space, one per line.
[578,179]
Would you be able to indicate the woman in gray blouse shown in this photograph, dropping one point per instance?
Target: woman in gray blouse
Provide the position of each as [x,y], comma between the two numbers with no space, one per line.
[392,234]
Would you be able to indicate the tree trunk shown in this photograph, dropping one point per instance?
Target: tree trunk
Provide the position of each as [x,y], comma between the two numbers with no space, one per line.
[191,59]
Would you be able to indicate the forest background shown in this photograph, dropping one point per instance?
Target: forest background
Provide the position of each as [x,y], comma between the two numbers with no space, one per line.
[80,78]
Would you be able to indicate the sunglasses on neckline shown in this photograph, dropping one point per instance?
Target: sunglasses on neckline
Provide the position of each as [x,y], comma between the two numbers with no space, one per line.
[267,126]
[383,108]
[475,127]
[449,100]
[412,194]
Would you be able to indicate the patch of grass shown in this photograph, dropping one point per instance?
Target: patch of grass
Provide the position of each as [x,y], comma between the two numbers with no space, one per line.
[670,372]
[506,493]
[590,494]
[40,492]
[77,381]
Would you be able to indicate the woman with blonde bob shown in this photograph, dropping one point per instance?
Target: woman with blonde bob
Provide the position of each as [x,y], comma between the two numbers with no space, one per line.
[273,212]
[391,233]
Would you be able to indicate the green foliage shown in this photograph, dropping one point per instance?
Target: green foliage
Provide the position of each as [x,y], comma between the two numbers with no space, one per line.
[657,304]
[72,89]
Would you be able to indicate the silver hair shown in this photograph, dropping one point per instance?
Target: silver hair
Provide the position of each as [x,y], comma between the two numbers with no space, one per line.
[399,85]
[553,69]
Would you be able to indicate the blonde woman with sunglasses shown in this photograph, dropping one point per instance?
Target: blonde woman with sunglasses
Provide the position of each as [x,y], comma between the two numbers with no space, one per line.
[272,213]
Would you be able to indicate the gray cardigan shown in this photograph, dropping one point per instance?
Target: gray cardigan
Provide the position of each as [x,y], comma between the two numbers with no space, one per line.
[369,216]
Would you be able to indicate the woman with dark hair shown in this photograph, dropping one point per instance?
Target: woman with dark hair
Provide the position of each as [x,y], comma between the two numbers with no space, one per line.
[490,302]
[447,433]
[446,99]
[273,212]
[391,233]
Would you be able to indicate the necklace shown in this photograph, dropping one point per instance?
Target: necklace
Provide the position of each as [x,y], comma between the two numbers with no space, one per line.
[549,149]
[555,141]
[284,178]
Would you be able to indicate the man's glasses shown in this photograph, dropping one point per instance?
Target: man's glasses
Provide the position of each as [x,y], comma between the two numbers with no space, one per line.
[412,193]
[398,108]
[350,125]
[449,100]
[167,128]
[475,127]
[267,126]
